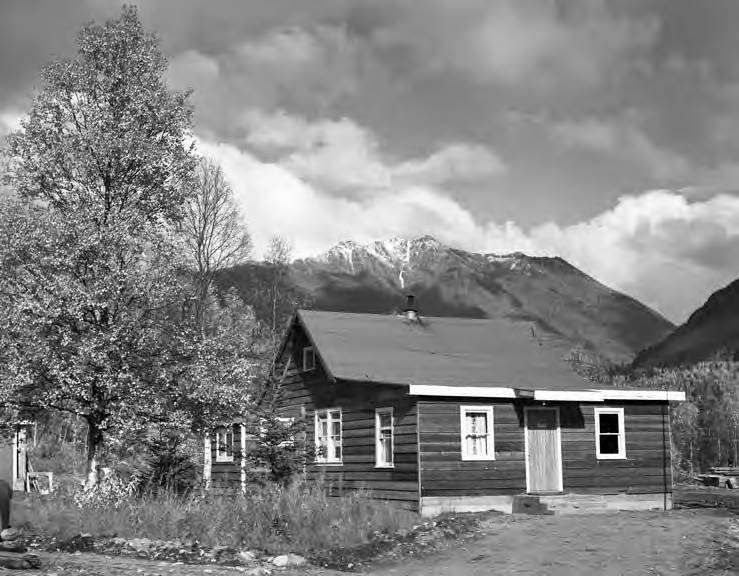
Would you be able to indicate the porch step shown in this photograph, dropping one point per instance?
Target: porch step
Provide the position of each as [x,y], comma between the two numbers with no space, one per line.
[530,504]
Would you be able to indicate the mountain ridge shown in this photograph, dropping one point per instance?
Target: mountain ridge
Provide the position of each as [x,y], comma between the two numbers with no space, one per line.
[711,330]
[549,291]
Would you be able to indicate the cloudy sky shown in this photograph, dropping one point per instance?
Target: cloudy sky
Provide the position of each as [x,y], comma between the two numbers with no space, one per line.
[603,132]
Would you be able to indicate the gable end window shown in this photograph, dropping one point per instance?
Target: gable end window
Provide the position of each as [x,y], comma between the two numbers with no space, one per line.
[610,436]
[384,448]
[328,436]
[225,444]
[309,358]
[476,423]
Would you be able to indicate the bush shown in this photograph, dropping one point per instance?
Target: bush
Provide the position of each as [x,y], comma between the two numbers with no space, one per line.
[167,466]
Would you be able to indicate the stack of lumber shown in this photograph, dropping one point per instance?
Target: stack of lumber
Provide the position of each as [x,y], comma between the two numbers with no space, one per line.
[697,497]
[13,553]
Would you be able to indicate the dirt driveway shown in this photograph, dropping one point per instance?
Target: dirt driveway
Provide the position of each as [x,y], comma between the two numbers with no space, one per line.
[684,542]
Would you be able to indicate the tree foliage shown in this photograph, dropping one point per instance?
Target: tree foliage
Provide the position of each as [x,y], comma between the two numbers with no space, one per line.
[92,272]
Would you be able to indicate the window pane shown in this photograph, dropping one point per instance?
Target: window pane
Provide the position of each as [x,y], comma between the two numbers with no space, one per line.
[609,423]
[336,428]
[388,451]
[609,444]
[384,419]
[477,422]
[337,452]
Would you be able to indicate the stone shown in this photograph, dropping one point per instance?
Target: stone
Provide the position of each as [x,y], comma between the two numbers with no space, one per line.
[247,557]
[19,561]
[9,534]
[258,571]
[139,544]
[14,546]
[288,560]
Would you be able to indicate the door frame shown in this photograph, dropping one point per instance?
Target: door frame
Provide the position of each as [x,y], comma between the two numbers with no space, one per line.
[526,444]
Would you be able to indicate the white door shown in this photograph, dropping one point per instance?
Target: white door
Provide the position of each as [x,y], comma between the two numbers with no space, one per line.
[543,450]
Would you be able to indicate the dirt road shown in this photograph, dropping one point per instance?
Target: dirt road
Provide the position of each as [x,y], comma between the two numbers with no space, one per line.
[684,542]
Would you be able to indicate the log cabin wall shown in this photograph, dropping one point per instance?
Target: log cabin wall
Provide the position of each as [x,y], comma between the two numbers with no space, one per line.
[225,477]
[302,392]
[647,468]
[443,474]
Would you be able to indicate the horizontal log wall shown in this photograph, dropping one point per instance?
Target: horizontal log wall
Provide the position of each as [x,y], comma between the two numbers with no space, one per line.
[226,476]
[645,470]
[301,393]
[647,467]
[444,473]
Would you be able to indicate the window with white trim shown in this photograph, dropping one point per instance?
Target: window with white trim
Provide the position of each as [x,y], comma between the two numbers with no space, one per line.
[309,358]
[476,423]
[328,436]
[384,448]
[225,444]
[610,436]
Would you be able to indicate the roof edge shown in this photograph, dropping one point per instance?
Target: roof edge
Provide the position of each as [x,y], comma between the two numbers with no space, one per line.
[588,395]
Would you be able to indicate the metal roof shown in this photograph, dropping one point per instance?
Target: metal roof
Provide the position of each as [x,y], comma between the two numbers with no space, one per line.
[458,352]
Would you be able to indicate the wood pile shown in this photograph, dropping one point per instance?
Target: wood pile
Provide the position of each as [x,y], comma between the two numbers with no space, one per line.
[13,554]
[706,498]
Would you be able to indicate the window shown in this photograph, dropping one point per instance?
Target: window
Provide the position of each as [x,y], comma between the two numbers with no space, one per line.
[477,433]
[610,438]
[384,437]
[328,436]
[225,444]
[309,358]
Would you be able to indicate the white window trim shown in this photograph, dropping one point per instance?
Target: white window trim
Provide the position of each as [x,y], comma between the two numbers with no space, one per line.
[309,353]
[323,459]
[621,455]
[226,455]
[463,410]
[378,413]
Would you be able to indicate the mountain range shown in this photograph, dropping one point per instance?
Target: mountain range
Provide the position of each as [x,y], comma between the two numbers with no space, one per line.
[561,301]
[711,331]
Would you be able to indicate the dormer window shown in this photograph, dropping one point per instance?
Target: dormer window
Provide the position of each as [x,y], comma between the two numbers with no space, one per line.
[309,358]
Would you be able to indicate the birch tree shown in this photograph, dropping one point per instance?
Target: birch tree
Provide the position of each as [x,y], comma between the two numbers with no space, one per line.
[215,237]
[91,275]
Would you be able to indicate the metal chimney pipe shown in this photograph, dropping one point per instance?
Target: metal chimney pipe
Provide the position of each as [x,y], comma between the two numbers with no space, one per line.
[410,308]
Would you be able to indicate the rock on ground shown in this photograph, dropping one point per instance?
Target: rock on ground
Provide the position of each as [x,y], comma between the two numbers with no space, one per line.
[288,560]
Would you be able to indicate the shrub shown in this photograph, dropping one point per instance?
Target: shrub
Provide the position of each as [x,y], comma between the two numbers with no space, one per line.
[167,466]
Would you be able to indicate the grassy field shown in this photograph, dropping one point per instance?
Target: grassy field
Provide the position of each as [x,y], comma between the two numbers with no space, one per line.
[275,519]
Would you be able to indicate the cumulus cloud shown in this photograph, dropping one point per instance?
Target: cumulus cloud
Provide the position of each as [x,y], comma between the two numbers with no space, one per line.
[342,155]
[661,247]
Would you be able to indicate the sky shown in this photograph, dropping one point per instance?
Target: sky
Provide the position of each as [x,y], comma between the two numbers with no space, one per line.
[606,133]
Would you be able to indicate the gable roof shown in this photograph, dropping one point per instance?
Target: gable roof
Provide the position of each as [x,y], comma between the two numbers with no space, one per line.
[438,351]
[453,357]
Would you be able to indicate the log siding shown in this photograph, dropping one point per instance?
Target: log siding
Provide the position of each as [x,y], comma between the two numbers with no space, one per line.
[646,469]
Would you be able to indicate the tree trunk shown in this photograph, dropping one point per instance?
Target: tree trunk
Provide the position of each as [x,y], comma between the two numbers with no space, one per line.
[94,443]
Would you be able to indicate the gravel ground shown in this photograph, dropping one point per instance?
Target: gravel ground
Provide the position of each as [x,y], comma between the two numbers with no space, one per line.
[685,542]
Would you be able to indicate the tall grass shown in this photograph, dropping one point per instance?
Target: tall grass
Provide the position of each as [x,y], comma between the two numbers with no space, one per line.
[300,518]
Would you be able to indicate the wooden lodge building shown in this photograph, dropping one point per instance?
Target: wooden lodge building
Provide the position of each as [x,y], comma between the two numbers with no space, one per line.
[456,414]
